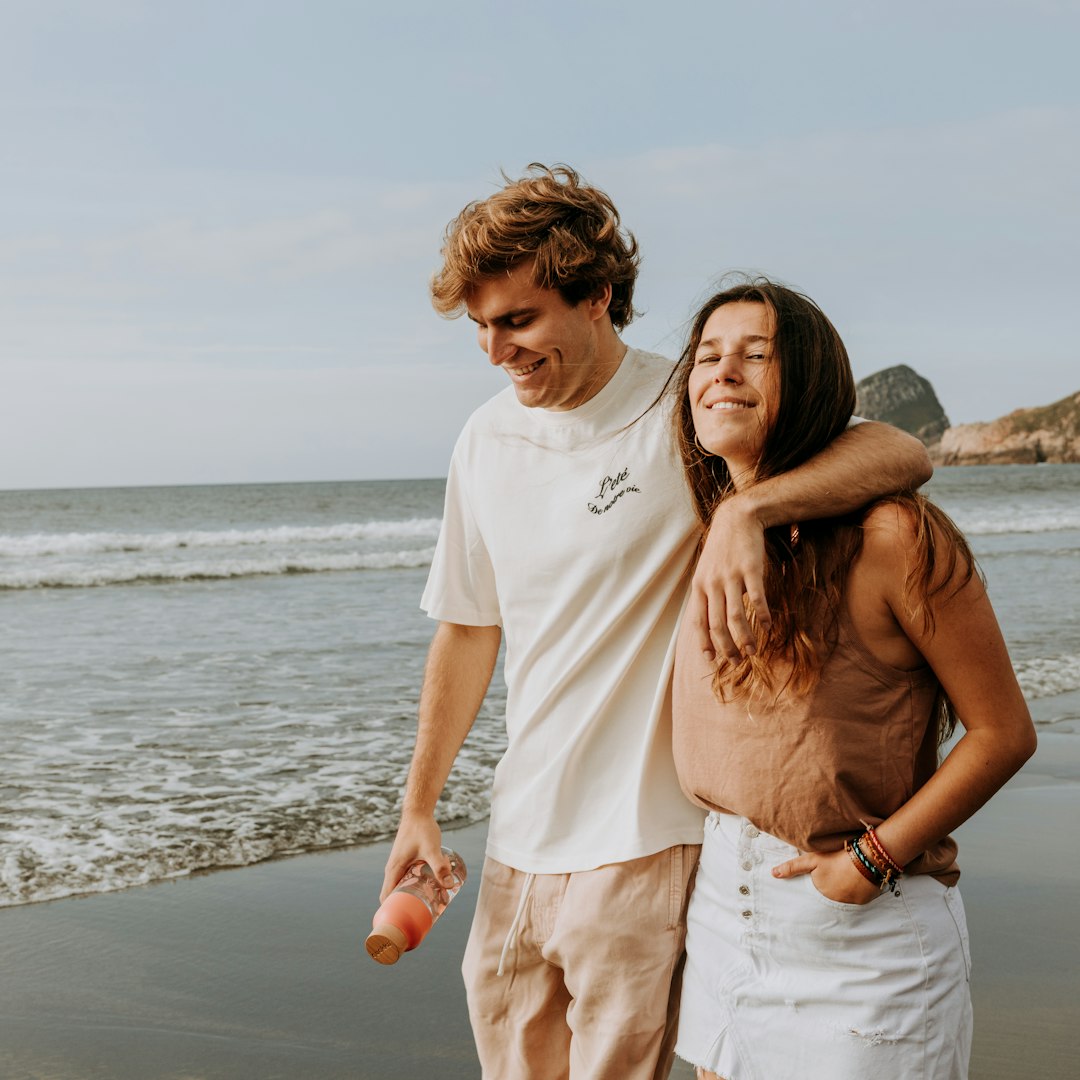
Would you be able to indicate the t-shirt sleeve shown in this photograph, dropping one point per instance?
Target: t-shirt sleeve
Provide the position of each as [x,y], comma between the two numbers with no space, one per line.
[461,583]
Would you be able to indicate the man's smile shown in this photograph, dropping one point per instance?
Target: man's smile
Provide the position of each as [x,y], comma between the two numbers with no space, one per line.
[527,369]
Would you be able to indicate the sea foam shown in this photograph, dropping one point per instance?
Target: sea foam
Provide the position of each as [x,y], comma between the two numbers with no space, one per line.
[1001,521]
[1047,676]
[96,543]
[151,571]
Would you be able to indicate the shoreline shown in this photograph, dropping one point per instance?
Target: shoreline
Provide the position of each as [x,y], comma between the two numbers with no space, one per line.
[258,973]
[261,973]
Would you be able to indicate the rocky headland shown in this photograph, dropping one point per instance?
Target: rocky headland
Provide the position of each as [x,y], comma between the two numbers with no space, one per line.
[900,396]
[1024,437]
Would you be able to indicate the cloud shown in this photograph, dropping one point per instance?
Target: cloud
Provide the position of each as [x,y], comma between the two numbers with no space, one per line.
[947,246]
[285,249]
[1022,162]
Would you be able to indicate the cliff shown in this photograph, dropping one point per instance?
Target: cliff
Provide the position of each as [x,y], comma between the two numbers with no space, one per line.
[903,398]
[1024,437]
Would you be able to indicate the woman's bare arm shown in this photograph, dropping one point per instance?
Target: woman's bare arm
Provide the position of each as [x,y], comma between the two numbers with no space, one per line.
[967,652]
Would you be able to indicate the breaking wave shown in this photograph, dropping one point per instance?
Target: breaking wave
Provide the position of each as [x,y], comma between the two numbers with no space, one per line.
[98,543]
[1047,676]
[999,522]
[160,572]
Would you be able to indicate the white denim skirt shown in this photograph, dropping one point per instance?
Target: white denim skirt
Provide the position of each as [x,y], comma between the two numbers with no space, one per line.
[782,982]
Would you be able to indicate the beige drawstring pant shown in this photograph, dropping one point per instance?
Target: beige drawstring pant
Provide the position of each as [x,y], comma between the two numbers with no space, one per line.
[591,964]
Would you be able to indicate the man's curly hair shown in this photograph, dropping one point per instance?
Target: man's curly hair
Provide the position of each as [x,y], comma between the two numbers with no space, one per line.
[570,230]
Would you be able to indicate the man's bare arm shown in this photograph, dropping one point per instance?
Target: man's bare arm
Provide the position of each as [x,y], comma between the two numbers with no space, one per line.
[862,464]
[456,676]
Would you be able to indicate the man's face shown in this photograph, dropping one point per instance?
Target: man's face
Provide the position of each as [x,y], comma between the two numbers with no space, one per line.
[548,349]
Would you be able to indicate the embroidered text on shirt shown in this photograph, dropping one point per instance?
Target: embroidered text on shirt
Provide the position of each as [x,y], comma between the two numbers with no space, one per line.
[611,488]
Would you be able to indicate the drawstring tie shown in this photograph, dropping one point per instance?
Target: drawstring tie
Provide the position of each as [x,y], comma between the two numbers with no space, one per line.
[510,944]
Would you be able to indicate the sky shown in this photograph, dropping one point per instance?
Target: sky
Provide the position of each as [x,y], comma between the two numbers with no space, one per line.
[219,220]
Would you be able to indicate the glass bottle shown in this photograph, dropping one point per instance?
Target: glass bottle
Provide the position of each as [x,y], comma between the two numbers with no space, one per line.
[410,911]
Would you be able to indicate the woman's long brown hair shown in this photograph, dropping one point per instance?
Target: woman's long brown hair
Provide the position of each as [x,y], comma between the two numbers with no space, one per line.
[806,563]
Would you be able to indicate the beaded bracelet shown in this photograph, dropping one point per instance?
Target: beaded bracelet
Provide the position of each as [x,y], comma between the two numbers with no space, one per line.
[867,849]
[878,849]
[884,879]
[879,875]
[874,876]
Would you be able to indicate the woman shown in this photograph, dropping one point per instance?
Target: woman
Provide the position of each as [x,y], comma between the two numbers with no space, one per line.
[826,937]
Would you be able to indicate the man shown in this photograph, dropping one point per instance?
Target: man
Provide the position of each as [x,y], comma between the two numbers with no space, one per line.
[568,527]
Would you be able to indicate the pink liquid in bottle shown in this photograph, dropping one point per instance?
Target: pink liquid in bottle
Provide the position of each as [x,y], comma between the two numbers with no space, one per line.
[410,911]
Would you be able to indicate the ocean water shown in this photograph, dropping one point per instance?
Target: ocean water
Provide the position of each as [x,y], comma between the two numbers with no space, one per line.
[199,677]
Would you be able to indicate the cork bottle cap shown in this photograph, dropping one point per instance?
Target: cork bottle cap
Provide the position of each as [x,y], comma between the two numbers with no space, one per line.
[386,943]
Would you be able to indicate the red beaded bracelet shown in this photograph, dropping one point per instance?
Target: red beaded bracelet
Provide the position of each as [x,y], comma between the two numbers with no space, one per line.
[879,850]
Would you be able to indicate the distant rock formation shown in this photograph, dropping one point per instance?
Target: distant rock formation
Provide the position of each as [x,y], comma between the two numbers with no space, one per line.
[1024,437]
[903,398]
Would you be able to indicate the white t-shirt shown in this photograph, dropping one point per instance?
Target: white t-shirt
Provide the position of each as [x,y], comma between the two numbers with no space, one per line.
[575,533]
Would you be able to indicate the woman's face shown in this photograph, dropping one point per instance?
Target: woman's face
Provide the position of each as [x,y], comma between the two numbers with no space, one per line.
[734,385]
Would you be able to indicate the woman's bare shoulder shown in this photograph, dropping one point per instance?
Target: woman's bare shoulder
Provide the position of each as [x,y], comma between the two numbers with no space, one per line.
[890,529]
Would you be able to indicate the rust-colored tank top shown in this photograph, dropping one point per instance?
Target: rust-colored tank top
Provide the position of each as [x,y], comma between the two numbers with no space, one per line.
[809,768]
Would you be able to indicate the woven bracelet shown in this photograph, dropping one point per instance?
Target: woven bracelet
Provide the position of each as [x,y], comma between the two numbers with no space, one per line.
[878,849]
[868,870]
[884,879]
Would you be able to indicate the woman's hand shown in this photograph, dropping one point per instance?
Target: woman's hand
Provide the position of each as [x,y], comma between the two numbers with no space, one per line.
[731,566]
[834,876]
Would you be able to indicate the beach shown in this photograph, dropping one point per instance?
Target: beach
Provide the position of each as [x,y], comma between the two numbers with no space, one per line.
[208,677]
[260,973]
[207,710]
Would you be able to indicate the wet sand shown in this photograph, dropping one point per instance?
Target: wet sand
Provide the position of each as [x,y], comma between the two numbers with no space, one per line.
[260,973]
